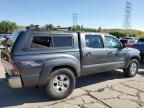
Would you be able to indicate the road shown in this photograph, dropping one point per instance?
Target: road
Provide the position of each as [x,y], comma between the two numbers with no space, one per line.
[104,90]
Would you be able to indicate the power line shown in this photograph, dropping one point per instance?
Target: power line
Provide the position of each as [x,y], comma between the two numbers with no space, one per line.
[127,18]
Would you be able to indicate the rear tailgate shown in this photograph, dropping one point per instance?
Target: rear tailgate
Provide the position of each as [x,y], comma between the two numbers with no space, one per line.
[6,51]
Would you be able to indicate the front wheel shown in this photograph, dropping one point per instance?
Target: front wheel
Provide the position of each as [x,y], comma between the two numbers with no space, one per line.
[132,69]
[61,83]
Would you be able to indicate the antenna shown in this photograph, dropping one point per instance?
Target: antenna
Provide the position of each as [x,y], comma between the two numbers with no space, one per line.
[75,17]
[127,18]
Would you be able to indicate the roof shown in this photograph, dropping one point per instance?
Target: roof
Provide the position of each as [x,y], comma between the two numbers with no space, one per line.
[67,32]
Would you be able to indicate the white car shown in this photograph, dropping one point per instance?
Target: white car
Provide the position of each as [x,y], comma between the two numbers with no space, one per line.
[2,39]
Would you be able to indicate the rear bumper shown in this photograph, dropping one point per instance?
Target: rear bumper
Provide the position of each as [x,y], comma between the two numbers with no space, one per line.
[15,82]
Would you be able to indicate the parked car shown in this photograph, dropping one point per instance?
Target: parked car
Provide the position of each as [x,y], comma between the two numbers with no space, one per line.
[141,41]
[128,42]
[140,47]
[135,39]
[1,39]
[55,59]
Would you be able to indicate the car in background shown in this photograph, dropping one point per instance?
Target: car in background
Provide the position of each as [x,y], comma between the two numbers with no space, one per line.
[140,47]
[4,38]
[141,41]
[134,38]
[1,39]
[128,42]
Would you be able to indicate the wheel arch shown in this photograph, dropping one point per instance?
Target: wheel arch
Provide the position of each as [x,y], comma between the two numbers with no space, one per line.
[51,65]
[66,66]
[131,58]
[136,57]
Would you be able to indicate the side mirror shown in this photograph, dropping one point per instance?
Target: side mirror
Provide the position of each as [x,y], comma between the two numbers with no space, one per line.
[121,47]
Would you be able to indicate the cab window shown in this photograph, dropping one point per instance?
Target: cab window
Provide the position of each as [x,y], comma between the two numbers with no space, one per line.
[94,41]
[111,42]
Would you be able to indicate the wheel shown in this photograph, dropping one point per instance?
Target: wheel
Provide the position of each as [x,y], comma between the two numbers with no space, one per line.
[60,84]
[132,69]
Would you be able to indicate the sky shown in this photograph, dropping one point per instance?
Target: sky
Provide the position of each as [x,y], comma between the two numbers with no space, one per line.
[91,13]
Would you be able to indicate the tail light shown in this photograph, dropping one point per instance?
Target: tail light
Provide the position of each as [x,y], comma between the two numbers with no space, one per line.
[14,69]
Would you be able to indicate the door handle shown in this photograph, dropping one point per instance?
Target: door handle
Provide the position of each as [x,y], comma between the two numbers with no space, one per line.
[88,54]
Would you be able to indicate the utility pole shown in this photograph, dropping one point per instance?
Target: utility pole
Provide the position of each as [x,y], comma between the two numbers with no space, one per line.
[75,18]
[127,18]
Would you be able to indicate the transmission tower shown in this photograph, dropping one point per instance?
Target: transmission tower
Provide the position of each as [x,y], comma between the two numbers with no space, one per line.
[127,19]
[75,17]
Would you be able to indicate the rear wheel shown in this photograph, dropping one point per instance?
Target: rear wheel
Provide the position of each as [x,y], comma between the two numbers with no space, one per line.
[61,83]
[132,69]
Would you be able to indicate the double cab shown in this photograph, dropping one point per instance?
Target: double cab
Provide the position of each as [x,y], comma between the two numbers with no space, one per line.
[54,59]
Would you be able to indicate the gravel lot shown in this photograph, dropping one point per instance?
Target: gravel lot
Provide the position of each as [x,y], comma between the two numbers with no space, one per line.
[104,90]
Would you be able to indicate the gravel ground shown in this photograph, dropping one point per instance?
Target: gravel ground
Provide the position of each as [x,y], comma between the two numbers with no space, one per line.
[104,90]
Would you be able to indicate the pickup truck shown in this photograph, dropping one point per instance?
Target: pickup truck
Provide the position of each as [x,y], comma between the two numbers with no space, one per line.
[140,47]
[55,59]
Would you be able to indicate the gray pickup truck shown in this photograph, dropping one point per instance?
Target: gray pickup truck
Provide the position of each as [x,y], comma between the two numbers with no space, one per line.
[55,59]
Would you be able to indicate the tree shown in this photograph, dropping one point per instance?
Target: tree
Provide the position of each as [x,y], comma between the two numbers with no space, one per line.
[12,27]
[7,26]
[118,34]
[99,29]
[49,27]
[140,33]
[76,28]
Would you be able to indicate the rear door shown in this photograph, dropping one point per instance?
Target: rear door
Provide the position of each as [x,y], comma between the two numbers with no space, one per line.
[94,54]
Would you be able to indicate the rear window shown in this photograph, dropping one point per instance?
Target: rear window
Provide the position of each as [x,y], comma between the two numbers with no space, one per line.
[11,40]
[41,42]
[51,41]
[94,41]
[62,41]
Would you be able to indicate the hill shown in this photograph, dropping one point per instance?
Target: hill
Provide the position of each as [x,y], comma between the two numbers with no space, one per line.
[131,32]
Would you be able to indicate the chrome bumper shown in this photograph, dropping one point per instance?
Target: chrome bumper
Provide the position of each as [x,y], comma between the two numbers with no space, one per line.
[15,82]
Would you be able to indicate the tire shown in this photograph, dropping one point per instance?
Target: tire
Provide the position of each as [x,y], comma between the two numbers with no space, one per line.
[60,84]
[132,69]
